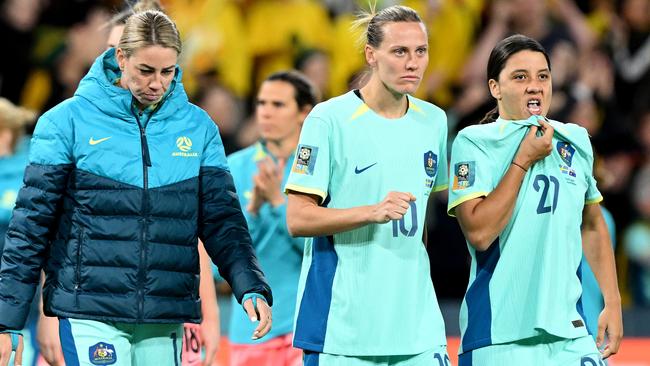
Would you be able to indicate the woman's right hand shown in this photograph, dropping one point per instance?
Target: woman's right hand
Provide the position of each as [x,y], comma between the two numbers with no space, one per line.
[393,207]
[5,350]
[533,147]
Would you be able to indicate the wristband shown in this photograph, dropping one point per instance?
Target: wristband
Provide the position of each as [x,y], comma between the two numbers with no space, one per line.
[522,168]
[253,296]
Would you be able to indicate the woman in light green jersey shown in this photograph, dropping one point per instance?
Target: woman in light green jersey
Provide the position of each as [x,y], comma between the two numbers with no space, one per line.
[365,166]
[525,197]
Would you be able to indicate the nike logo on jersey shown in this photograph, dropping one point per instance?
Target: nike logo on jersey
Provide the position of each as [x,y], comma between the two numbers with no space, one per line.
[95,142]
[359,171]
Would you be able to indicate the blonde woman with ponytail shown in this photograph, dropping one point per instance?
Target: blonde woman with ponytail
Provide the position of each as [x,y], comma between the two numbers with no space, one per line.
[366,164]
[123,179]
[196,337]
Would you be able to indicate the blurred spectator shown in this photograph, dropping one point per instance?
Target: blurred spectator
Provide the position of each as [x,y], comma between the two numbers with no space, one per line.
[225,110]
[215,44]
[83,42]
[17,21]
[631,54]
[451,25]
[277,29]
[637,240]
[348,61]
[315,65]
[643,134]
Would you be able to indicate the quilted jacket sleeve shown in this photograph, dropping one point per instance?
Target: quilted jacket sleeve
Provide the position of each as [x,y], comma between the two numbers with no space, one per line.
[222,226]
[32,224]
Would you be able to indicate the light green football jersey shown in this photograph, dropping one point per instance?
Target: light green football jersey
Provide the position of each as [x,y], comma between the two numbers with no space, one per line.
[528,279]
[368,291]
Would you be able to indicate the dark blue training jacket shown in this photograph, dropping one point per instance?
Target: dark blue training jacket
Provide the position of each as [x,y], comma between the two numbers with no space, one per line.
[113,204]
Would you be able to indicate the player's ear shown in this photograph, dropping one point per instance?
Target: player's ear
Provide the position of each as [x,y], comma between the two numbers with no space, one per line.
[495,89]
[371,58]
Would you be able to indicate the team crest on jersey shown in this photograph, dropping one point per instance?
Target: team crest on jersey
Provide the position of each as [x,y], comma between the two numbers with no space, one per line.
[305,160]
[464,175]
[102,354]
[430,163]
[566,152]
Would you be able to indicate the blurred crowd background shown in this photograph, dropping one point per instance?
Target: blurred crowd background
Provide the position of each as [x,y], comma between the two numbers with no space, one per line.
[600,55]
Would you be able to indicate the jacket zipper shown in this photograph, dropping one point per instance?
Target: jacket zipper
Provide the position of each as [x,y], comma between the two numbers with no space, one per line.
[77,280]
[146,163]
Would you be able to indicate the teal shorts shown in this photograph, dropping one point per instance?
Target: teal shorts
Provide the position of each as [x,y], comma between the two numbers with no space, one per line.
[434,357]
[89,342]
[545,350]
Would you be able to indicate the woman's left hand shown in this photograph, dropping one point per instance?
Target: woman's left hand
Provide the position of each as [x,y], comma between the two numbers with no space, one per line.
[610,322]
[260,312]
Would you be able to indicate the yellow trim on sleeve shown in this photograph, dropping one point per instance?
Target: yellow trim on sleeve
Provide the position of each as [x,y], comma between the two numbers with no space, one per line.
[301,189]
[440,188]
[594,200]
[451,208]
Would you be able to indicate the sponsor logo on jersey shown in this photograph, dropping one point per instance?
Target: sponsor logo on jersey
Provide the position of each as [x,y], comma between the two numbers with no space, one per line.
[102,354]
[359,171]
[305,159]
[430,163]
[184,145]
[464,175]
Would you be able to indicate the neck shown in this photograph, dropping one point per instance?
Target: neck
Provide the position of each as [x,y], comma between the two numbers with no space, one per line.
[382,100]
[283,148]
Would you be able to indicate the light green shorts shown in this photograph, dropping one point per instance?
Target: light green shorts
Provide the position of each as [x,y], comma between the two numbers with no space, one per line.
[89,342]
[434,357]
[545,350]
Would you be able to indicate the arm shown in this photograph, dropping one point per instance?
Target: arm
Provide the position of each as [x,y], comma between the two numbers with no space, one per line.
[482,219]
[306,218]
[47,335]
[498,28]
[210,327]
[31,227]
[597,248]
[575,21]
[223,230]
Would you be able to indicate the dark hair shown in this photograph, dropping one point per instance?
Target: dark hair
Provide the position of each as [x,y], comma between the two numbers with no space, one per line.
[304,56]
[500,55]
[374,34]
[304,91]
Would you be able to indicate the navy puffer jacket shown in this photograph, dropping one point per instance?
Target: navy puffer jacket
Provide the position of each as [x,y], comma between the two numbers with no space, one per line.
[113,204]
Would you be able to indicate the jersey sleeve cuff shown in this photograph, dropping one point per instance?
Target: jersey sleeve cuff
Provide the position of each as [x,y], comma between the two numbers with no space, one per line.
[296,188]
[594,200]
[451,208]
